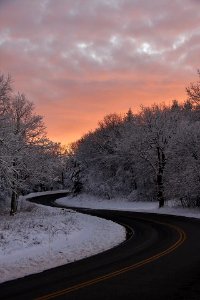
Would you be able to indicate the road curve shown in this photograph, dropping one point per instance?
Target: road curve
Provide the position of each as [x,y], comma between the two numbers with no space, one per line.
[160,261]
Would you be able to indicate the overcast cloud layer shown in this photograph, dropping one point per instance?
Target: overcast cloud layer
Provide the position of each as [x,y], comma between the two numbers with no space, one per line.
[78,60]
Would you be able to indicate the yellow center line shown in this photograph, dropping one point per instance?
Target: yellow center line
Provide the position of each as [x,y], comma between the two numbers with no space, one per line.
[173,247]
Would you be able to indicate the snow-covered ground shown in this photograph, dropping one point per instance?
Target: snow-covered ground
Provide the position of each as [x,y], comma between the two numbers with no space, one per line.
[40,237]
[88,201]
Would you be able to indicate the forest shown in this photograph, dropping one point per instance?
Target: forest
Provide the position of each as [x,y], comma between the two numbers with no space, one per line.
[151,155]
[29,161]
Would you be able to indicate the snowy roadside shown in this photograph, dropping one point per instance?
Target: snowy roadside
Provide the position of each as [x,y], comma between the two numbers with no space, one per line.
[40,237]
[88,201]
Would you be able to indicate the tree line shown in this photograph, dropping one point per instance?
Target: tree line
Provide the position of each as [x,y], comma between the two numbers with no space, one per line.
[150,155]
[29,161]
[153,154]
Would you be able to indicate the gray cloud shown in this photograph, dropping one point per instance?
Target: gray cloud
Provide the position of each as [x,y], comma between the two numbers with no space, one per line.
[86,55]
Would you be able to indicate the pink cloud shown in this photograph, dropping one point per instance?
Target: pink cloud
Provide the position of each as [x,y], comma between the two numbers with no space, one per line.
[79,61]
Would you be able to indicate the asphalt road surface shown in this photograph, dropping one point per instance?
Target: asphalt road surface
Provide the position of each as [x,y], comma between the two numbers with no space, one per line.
[161,260]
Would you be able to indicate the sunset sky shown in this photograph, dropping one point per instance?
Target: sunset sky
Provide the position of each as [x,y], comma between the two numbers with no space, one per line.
[79,60]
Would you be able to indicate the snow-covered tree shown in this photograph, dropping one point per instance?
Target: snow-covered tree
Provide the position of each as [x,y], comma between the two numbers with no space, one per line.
[28,159]
[152,154]
[193,91]
[183,170]
[134,155]
[158,126]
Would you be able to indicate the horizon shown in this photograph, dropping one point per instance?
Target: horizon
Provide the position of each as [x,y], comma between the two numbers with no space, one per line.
[78,63]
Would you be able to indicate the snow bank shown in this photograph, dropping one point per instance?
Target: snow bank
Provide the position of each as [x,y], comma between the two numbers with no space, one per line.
[39,238]
[88,201]
[31,195]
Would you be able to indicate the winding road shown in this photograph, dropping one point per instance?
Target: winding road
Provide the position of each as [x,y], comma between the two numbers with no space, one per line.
[161,260]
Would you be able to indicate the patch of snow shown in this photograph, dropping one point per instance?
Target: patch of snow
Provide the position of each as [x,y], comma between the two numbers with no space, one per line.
[31,195]
[88,201]
[40,237]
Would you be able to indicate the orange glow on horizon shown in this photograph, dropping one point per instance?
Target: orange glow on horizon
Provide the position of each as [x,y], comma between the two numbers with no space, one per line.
[66,131]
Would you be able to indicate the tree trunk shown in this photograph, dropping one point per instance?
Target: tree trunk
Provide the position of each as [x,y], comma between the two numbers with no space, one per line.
[13,204]
[76,179]
[160,188]
[13,208]
[63,179]
[160,193]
